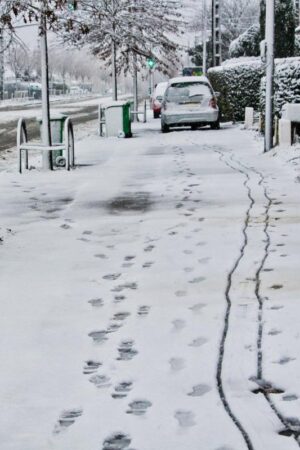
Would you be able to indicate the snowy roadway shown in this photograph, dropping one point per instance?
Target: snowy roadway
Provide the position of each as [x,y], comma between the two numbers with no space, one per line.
[150,298]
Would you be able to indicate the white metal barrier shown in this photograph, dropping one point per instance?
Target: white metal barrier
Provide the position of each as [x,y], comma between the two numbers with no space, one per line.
[101,119]
[143,113]
[24,146]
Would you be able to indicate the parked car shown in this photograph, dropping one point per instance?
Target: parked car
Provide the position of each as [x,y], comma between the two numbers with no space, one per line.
[158,98]
[189,101]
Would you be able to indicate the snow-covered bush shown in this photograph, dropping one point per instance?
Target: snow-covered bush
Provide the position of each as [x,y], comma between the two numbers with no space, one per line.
[238,82]
[247,44]
[286,84]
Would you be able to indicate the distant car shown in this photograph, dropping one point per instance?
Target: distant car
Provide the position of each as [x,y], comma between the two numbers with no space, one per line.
[158,98]
[189,101]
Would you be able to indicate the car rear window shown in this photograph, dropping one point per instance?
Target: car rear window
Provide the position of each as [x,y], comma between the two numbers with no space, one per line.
[184,93]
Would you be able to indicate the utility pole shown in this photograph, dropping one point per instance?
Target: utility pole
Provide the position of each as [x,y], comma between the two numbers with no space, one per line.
[46,130]
[216,33]
[204,39]
[1,65]
[270,31]
[297,8]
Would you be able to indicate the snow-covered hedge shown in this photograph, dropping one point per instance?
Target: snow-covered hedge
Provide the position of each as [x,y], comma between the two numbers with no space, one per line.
[286,83]
[238,81]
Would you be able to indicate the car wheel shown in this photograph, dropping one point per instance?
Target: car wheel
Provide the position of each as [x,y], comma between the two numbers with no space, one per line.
[165,128]
[156,115]
[215,125]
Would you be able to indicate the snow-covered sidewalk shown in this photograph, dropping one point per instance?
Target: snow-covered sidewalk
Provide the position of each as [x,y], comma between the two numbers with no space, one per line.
[146,294]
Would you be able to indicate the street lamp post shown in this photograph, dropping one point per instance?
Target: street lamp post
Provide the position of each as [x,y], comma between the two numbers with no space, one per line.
[270,28]
[46,131]
[1,65]
[204,39]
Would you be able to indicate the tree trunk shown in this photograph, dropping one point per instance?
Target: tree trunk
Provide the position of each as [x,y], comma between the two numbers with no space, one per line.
[114,72]
[135,88]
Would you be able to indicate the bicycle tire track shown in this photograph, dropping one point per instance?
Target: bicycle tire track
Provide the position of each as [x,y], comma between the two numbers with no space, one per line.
[219,375]
[261,303]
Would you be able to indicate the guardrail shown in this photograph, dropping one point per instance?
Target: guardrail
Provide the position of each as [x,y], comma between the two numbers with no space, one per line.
[24,146]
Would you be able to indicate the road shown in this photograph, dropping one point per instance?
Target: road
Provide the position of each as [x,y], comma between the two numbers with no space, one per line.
[79,113]
[150,297]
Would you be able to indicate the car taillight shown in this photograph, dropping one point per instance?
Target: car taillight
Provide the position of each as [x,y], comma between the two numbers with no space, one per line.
[213,103]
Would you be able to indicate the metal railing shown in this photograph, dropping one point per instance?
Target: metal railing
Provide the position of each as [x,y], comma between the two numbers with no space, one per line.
[24,146]
[138,112]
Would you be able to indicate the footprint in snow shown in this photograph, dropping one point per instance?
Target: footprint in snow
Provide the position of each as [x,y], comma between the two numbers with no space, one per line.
[126,350]
[65,226]
[198,307]
[177,364]
[178,324]
[199,390]
[198,342]
[132,286]
[120,316]
[112,276]
[274,332]
[100,381]
[122,389]
[139,407]
[290,398]
[197,280]
[148,264]
[98,336]
[185,418]
[87,232]
[129,258]
[119,298]
[116,441]
[149,248]
[143,310]
[188,269]
[66,419]
[100,256]
[91,367]
[180,293]
[284,360]
[96,302]
[204,260]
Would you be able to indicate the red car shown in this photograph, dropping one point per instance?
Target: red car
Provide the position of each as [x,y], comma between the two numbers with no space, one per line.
[157,99]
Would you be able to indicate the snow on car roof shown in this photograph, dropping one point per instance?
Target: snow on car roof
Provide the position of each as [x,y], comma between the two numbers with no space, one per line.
[194,79]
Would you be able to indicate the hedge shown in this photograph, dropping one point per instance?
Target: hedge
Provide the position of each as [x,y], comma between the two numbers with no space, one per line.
[241,83]
[238,82]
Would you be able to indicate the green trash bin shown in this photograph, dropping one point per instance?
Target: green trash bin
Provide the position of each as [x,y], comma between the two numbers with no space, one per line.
[57,123]
[118,119]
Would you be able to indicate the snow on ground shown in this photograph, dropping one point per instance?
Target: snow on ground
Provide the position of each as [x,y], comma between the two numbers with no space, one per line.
[119,281]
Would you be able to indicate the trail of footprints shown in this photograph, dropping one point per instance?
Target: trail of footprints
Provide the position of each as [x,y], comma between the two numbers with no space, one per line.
[127,349]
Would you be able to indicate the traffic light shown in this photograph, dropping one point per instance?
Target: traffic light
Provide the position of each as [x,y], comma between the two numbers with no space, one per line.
[72,5]
[151,63]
